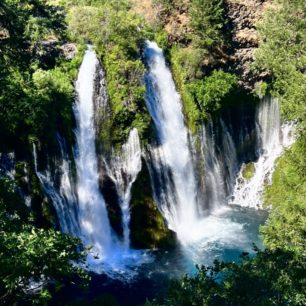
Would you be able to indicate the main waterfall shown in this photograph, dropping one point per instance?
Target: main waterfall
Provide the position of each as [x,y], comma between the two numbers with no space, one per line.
[93,219]
[172,157]
[195,206]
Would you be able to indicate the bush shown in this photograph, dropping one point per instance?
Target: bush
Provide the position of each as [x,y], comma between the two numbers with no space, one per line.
[32,257]
[212,91]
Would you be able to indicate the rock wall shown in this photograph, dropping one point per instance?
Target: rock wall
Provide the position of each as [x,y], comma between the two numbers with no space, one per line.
[243,16]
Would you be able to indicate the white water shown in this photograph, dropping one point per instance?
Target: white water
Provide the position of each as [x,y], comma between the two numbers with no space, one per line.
[61,200]
[273,138]
[213,175]
[164,105]
[93,219]
[123,170]
[109,254]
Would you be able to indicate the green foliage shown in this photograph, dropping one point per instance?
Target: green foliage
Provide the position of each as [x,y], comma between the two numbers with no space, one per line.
[168,5]
[282,53]
[31,257]
[182,72]
[148,228]
[118,34]
[270,278]
[207,21]
[286,224]
[212,91]
[35,98]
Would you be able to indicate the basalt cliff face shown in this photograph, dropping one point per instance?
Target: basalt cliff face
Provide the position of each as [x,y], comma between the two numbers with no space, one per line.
[237,54]
[244,16]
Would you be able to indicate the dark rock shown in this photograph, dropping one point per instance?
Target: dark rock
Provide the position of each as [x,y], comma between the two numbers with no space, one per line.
[110,195]
[148,228]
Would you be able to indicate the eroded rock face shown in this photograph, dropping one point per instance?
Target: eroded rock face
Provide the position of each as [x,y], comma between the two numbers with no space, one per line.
[243,16]
[68,50]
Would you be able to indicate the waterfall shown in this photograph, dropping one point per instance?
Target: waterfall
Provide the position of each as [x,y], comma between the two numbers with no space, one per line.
[173,154]
[123,170]
[93,218]
[272,138]
[7,165]
[229,154]
[218,163]
[62,196]
[214,188]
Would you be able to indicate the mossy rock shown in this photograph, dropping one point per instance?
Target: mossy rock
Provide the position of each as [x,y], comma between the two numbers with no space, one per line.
[248,170]
[148,228]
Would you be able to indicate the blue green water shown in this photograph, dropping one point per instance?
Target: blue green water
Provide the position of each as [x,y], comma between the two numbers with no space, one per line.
[226,235]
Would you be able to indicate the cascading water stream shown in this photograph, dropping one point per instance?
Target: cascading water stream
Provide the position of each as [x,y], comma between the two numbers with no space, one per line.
[213,179]
[273,138]
[123,170]
[164,105]
[82,210]
[172,173]
[79,203]
[93,218]
[62,197]
[115,259]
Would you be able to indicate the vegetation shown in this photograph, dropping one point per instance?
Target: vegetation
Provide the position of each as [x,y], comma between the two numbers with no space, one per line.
[282,54]
[118,34]
[148,228]
[32,258]
[36,96]
[36,91]
[248,171]
[210,92]
[207,21]
[270,278]
[286,225]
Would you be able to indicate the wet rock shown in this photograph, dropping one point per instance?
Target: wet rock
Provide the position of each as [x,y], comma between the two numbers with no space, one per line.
[148,228]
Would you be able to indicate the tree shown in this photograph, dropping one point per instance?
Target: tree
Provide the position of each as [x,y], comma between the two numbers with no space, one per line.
[282,54]
[211,91]
[270,278]
[32,258]
[207,19]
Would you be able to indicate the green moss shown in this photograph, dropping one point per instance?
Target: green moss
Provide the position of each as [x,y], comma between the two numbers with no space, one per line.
[248,171]
[179,74]
[148,228]
[119,44]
